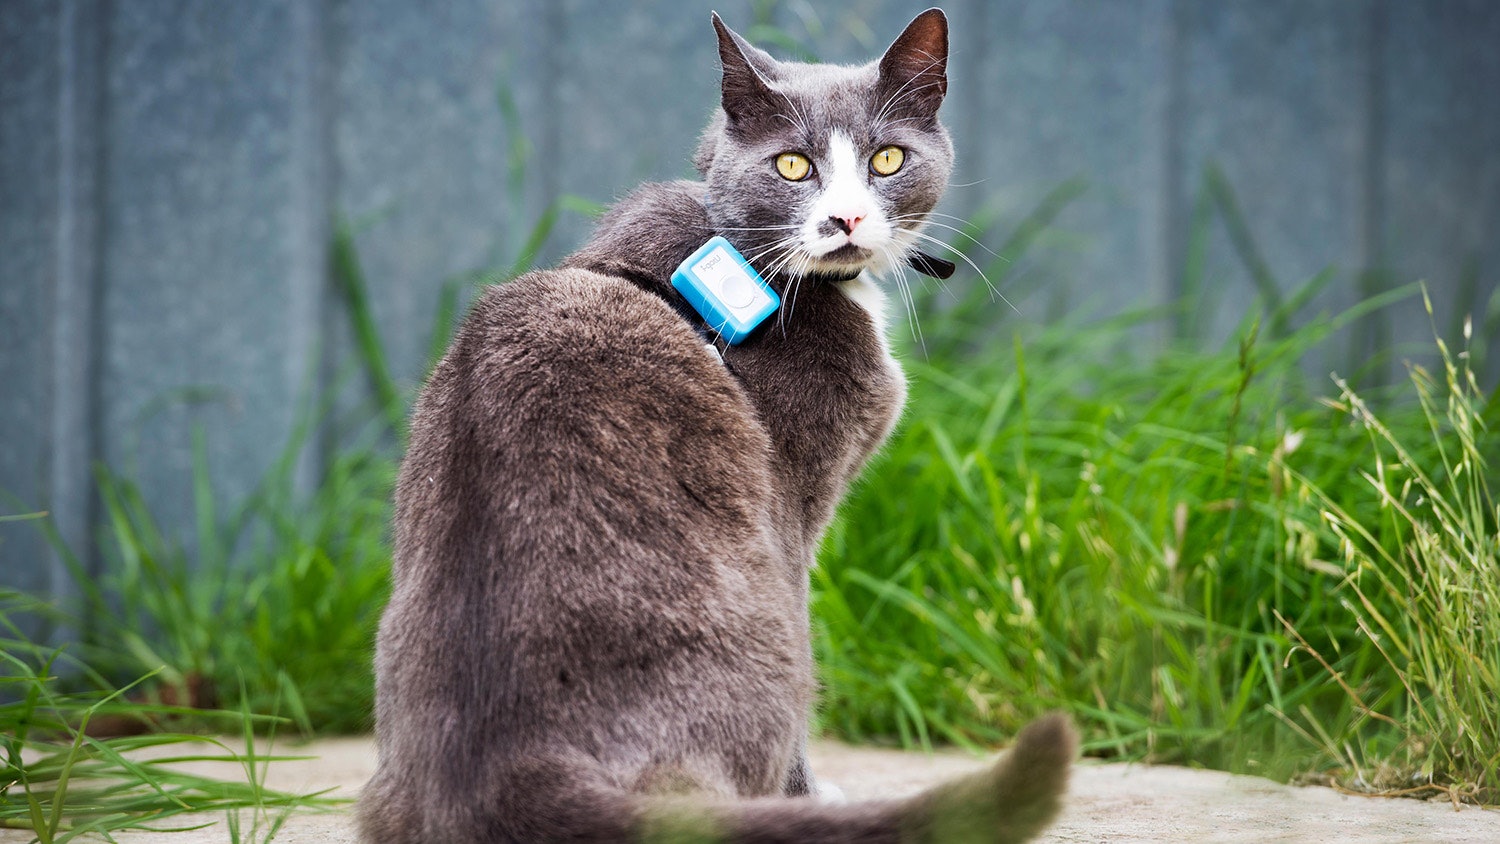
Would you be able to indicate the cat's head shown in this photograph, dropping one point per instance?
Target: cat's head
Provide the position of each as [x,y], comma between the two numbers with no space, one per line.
[828,169]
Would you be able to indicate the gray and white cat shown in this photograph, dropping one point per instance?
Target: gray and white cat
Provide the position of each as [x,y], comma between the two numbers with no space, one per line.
[605,519]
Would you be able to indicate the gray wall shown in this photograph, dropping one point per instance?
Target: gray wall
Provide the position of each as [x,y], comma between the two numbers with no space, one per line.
[171,173]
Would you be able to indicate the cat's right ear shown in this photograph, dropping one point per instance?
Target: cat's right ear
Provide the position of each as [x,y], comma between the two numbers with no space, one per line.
[747,71]
[914,71]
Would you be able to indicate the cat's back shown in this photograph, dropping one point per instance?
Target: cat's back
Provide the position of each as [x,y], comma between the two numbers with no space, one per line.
[573,404]
[583,509]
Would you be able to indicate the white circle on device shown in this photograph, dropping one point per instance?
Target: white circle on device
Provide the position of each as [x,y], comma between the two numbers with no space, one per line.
[727,279]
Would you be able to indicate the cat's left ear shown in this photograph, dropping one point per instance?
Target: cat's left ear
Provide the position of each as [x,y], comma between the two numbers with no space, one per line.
[914,71]
[747,71]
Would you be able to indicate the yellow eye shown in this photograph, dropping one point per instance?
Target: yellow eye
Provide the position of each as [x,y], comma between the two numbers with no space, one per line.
[887,161]
[793,166]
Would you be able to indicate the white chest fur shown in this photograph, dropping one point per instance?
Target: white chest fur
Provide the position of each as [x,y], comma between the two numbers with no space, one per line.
[864,292]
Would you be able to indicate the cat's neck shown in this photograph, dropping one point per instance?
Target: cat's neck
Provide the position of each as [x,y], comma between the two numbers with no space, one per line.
[649,233]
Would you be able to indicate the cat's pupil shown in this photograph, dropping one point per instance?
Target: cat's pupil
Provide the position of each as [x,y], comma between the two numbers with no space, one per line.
[793,166]
[888,161]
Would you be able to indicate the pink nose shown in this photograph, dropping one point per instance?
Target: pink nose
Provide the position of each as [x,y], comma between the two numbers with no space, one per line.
[846,224]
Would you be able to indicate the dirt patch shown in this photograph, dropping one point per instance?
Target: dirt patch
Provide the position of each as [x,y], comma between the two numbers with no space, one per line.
[1108,803]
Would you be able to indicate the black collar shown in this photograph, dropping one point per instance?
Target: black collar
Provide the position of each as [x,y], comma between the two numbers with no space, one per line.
[832,278]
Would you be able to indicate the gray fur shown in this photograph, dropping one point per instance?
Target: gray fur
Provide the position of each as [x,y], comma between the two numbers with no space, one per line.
[598,628]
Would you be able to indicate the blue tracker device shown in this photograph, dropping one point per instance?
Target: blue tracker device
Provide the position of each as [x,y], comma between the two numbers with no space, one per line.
[725,290]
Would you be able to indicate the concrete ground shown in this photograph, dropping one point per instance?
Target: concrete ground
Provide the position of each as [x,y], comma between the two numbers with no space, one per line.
[1108,803]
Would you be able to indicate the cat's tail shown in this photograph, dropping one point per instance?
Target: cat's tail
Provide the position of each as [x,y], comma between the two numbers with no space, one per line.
[1014,800]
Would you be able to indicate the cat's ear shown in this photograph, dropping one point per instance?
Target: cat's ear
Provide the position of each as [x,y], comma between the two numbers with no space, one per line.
[747,71]
[914,71]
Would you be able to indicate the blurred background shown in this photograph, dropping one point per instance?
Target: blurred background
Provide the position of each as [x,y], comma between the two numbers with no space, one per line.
[230,230]
[172,174]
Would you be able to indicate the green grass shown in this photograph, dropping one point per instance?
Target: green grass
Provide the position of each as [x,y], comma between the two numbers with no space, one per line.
[58,780]
[278,602]
[1423,588]
[273,608]
[1194,552]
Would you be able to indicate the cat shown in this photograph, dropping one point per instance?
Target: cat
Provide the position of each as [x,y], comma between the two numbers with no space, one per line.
[606,516]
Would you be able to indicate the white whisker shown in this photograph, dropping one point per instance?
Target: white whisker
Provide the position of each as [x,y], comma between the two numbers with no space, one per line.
[961,233]
[908,300]
[780,243]
[796,286]
[995,291]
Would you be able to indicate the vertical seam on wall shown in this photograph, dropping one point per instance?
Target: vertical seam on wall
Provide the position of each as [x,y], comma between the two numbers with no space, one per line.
[1171,216]
[309,232]
[554,22]
[1371,235]
[69,398]
[971,106]
[333,40]
[79,330]
[1373,332]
